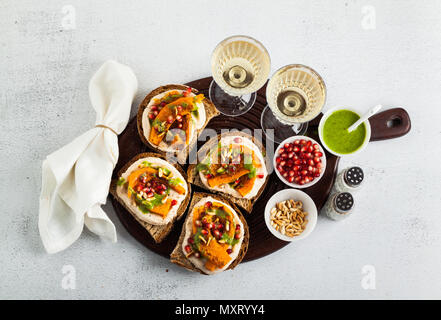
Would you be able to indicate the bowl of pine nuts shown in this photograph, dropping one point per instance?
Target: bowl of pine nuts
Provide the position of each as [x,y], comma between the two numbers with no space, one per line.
[290,215]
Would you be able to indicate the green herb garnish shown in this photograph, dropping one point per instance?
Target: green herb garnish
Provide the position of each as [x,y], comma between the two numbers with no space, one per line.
[121,181]
[174,181]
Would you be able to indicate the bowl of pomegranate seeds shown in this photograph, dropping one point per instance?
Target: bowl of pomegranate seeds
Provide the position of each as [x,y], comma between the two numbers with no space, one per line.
[299,162]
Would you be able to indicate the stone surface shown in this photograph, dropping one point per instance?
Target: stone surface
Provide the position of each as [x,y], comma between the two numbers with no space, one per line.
[45,66]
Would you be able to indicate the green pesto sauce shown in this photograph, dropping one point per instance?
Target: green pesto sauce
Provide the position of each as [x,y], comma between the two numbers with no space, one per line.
[336,135]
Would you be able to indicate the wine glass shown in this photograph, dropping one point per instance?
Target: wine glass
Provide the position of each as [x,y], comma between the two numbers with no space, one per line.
[240,66]
[295,95]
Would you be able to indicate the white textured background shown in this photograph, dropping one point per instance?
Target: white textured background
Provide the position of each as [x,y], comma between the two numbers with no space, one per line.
[44,74]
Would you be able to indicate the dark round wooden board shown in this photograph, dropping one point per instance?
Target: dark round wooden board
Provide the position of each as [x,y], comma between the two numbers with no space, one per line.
[262,242]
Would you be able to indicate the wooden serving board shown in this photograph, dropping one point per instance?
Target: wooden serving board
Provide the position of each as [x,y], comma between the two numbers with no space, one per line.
[385,125]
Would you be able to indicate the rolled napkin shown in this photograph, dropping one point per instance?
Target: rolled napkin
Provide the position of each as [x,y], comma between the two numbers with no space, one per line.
[76,178]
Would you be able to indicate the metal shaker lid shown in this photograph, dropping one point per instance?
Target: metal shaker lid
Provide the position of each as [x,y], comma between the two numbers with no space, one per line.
[354,176]
[343,202]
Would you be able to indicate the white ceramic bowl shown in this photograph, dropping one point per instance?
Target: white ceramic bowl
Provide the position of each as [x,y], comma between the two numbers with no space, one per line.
[322,123]
[295,185]
[308,206]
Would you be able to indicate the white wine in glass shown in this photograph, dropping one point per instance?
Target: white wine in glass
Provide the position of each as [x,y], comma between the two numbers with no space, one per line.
[295,94]
[240,66]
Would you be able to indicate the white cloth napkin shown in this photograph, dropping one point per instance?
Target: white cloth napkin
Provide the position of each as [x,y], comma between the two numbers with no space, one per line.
[76,178]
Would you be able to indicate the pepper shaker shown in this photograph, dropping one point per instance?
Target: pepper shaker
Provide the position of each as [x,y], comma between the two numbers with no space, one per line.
[349,180]
[339,205]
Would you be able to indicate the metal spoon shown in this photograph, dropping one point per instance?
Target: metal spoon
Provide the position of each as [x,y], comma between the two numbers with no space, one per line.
[366,116]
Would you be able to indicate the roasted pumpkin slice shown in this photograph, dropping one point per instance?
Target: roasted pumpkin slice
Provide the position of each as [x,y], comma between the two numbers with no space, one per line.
[227,178]
[246,186]
[133,177]
[216,253]
[171,110]
[162,209]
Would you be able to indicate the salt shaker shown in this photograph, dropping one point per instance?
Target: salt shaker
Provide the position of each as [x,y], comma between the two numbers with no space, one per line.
[349,180]
[339,205]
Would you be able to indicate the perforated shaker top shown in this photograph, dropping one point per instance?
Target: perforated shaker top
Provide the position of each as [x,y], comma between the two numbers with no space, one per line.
[344,202]
[354,176]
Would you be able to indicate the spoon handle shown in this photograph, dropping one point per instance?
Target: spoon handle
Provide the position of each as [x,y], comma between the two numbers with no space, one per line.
[366,116]
[389,124]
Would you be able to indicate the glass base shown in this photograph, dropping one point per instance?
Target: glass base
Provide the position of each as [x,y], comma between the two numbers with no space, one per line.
[230,105]
[280,131]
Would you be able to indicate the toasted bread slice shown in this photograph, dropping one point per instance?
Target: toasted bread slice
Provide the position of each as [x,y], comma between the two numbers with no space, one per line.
[210,112]
[178,257]
[158,232]
[194,178]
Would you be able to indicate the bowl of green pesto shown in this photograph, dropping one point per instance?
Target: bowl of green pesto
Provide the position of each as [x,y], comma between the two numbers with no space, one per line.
[334,135]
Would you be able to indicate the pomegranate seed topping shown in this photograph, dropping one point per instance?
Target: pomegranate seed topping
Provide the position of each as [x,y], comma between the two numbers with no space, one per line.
[302,182]
[281,151]
[278,159]
[291,179]
[154,108]
[291,154]
[155,113]
[311,162]
[296,168]
[310,148]
[229,251]
[308,143]
[296,149]
[306,179]
[304,149]
[208,204]
[237,236]
[187,248]
[162,104]
[208,176]
[204,232]
[170,119]
[310,168]
[317,160]
[318,154]
[297,142]
[216,233]
[190,240]
[317,174]
[179,117]
[237,140]
[174,202]
[316,146]
[260,176]
[237,227]
[285,174]
[303,142]
[151,116]
[179,108]
[286,145]
[318,165]
[150,194]
[297,162]
[291,173]
[280,169]
[283,163]
[304,172]
[162,192]
[198,223]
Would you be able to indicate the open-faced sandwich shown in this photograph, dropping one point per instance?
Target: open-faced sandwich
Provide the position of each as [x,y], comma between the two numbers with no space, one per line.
[214,237]
[154,191]
[171,117]
[232,164]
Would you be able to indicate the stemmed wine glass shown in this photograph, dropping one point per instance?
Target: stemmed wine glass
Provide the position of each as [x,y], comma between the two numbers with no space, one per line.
[240,66]
[295,94]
